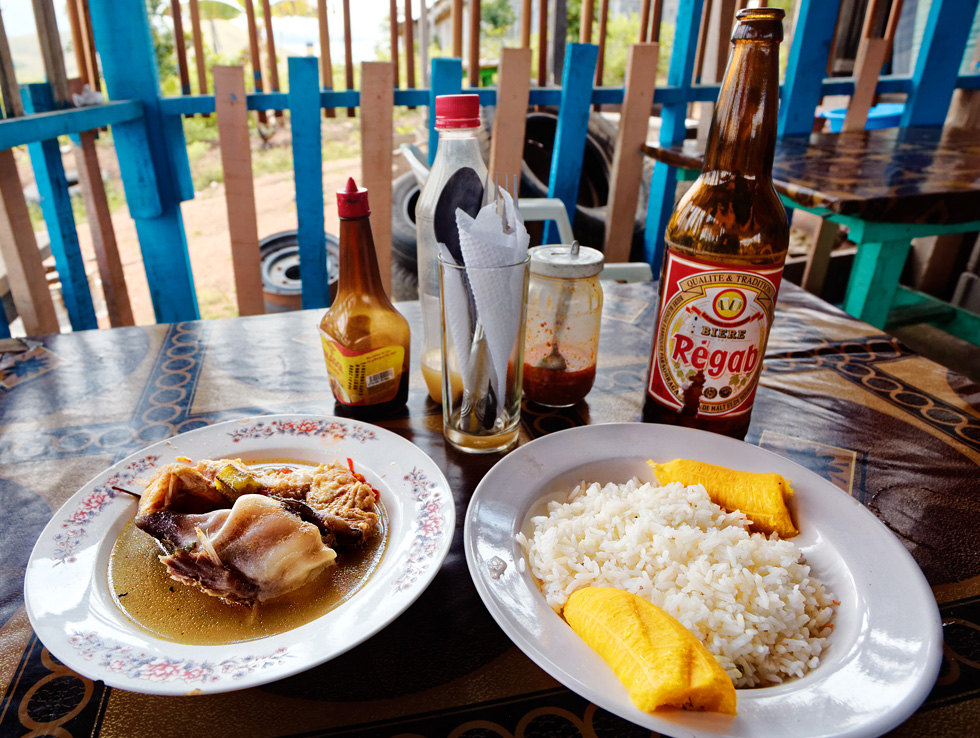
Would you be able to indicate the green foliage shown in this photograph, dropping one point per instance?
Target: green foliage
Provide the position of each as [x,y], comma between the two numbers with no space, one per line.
[163,37]
[496,16]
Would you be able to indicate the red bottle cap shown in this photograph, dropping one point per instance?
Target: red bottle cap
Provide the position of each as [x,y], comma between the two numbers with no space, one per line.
[352,202]
[458,111]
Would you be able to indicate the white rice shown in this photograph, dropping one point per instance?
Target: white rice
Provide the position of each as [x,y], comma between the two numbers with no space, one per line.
[750,600]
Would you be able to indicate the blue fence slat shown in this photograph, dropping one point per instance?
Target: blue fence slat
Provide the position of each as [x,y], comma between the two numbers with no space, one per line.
[807,65]
[938,61]
[180,164]
[573,125]
[4,323]
[304,114]
[663,182]
[447,79]
[122,35]
[19,131]
[52,186]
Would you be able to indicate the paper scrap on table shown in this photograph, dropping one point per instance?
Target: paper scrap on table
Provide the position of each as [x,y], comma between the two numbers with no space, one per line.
[490,240]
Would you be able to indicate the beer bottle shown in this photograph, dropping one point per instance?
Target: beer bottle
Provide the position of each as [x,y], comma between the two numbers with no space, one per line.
[725,247]
[366,341]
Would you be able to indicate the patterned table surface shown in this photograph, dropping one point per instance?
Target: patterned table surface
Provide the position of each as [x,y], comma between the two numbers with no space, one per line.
[896,431]
[897,175]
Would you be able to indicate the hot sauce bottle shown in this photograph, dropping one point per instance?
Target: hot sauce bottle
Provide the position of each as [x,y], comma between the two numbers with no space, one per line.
[726,244]
[365,340]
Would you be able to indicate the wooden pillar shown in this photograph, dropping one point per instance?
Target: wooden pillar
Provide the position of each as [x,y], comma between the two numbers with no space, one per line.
[424,42]
[25,272]
[270,45]
[507,143]
[585,22]
[8,78]
[253,48]
[304,111]
[231,108]
[644,21]
[601,62]
[410,45]
[199,61]
[377,114]
[542,43]
[348,55]
[114,288]
[447,79]
[525,24]
[54,59]
[474,65]
[185,79]
[152,157]
[573,125]
[393,28]
[457,21]
[627,168]
[91,62]
[52,186]
[326,65]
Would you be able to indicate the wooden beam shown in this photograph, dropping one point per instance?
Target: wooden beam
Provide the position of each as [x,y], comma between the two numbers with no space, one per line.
[114,288]
[25,272]
[474,65]
[870,58]
[91,60]
[410,45]
[13,108]
[644,21]
[54,59]
[507,142]
[254,55]
[270,45]
[377,114]
[199,61]
[525,24]
[601,62]
[542,43]
[326,65]
[236,162]
[304,112]
[180,46]
[573,123]
[658,12]
[627,168]
[393,36]
[456,16]
[348,54]
[52,186]
[424,42]
[585,21]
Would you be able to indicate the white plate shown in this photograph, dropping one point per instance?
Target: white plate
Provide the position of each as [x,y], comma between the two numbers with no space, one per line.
[885,650]
[72,611]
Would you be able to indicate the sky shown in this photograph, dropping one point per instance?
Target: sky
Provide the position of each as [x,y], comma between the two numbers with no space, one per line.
[366,19]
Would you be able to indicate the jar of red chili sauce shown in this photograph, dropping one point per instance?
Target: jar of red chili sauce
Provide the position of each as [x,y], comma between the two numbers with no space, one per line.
[564,305]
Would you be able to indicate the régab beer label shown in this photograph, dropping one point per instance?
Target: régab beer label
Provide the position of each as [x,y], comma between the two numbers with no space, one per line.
[362,378]
[712,329]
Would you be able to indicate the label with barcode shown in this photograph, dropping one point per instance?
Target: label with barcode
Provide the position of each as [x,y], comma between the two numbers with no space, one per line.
[374,380]
[366,378]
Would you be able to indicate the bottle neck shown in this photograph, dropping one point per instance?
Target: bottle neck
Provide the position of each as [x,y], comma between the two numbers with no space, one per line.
[359,272]
[743,129]
[458,144]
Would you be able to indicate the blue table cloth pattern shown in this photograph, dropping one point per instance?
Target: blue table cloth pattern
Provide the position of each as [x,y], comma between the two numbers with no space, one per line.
[838,397]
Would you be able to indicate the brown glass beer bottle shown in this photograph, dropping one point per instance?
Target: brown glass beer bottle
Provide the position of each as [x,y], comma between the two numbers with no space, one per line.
[366,341]
[725,247]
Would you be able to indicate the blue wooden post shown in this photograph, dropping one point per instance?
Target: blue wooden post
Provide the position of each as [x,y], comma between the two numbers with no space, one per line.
[447,79]
[52,186]
[807,65]
[4,323]
[938,62]
[156,144]
[673,127]
[573,125]
[304,118]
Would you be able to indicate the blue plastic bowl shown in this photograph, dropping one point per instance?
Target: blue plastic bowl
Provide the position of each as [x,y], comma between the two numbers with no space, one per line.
[882,115]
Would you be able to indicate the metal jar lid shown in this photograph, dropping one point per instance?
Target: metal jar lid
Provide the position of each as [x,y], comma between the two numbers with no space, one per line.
[566,261]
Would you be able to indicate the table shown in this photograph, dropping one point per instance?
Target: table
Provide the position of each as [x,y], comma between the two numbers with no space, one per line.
[895,430]
[887,186]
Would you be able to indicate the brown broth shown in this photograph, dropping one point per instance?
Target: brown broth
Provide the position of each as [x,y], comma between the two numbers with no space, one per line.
[142,589]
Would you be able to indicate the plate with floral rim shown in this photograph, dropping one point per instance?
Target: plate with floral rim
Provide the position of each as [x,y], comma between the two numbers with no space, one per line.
[883,655]
[66,587]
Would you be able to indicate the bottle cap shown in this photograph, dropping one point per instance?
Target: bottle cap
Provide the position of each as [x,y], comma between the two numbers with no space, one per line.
[352,202]
[566,261]
[457,111]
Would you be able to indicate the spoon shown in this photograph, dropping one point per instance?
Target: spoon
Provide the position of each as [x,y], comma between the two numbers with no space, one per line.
[555,361]
[462,190]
